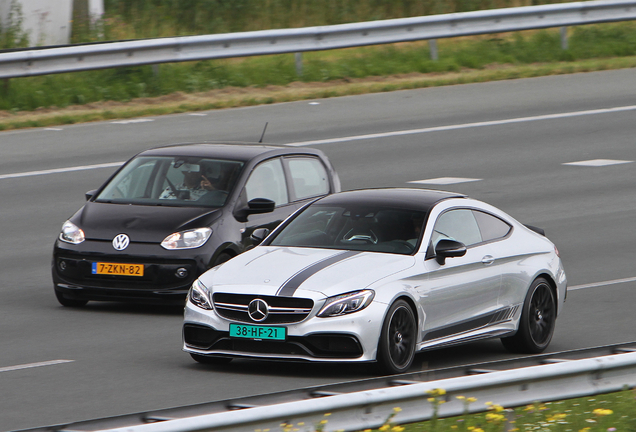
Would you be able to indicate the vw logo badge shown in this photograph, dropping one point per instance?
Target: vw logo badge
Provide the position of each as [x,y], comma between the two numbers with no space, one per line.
[258,310]
[121,242]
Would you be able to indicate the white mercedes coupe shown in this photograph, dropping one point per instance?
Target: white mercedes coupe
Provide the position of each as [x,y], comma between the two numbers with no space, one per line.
[379,275]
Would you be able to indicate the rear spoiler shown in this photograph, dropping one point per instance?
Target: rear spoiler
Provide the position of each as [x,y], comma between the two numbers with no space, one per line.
[535,229]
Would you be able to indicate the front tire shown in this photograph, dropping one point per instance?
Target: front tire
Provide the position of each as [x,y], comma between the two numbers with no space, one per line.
[69,302]
[209,360]
[223,257]
[396,348]
[538,319]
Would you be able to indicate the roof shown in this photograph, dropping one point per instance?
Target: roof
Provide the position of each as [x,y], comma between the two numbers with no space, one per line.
[231,151]
[404,198]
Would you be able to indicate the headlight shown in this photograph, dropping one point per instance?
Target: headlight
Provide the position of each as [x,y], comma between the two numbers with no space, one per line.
[200,296]
[346,303]
[189,239]
[71,233]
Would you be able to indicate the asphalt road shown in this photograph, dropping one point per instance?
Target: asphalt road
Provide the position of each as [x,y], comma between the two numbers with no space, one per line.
[513,138]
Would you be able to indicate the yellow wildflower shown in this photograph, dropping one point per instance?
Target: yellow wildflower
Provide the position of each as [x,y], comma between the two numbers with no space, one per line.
[602,412]
[471,399]
[397,409]
[460,397]
[397,429]
[385,427]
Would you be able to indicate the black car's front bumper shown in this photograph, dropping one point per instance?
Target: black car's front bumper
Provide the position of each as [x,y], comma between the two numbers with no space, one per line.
[167,275]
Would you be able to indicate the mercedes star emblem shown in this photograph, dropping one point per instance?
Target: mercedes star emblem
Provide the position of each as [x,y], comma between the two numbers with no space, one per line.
[258,310]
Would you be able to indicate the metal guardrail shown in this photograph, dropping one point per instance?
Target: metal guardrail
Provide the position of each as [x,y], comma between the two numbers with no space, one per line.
[370,409]
[175,418]
[154,51]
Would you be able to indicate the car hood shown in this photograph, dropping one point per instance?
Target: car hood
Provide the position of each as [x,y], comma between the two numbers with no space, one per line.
[285,271]
[103,221]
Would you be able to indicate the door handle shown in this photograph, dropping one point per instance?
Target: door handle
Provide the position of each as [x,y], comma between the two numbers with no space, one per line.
[488,259]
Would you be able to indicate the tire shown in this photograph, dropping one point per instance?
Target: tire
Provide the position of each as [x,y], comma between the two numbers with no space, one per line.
[538,319]
[223,257]
[69,302]
[396,348]
[209,360]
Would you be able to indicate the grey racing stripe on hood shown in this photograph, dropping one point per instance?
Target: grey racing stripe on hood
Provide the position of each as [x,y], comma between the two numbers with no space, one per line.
[289,288]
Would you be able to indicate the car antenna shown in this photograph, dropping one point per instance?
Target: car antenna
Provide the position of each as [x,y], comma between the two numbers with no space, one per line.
[263,134]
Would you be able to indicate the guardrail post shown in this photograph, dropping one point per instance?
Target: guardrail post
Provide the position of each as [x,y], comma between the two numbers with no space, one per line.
[155,70]
[299,63]
[432,46]
[564,38]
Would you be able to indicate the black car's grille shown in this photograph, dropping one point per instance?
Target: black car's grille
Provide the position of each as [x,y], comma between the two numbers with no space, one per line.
[282,310]
[158,274]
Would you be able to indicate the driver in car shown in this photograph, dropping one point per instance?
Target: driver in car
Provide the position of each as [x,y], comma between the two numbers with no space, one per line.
[194,185]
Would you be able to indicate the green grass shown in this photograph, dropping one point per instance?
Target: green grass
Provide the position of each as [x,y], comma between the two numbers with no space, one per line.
[613,412]
[124,84]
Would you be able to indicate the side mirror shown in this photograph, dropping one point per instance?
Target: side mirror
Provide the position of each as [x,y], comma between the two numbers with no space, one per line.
[255,206]
[259,235]
[90,194]
[448,249]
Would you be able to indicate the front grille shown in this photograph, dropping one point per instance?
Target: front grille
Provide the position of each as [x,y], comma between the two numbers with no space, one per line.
[282,310]
[198,336]
[158,274]
[316,346]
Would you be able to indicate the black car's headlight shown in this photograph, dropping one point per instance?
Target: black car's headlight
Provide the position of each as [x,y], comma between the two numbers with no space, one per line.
[71,233]
[189,239]
[346,303]
[200,295]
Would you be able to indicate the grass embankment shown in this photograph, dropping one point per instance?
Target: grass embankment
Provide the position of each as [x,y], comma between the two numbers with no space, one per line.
[173,88]
[613,412]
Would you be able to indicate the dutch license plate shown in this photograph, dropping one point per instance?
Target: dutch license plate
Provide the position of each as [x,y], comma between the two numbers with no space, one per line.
[257,332]
[118,269]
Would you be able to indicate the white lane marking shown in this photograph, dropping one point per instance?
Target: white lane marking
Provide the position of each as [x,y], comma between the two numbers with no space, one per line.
[314,103]
[141,120]
[197,114]
[445,180]
[53,129]
[465,126]
[600,284]
[598,162]
[33,365]
[60,170]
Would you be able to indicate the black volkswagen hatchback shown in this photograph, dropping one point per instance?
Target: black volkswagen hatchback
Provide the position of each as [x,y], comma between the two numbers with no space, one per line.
[170,213]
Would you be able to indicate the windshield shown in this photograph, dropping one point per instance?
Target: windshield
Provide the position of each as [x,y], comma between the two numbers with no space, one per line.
[173,181]
[373,229]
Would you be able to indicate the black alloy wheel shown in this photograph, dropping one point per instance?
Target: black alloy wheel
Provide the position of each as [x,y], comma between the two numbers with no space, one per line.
[538,320]
[396,348]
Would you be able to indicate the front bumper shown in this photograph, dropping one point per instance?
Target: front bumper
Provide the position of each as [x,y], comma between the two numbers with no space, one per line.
[348,338]
[167,275]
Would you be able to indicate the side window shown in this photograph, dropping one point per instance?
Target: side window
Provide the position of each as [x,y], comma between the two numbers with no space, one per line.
[491,227]
[457,225]
[268,181]
[309,177]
